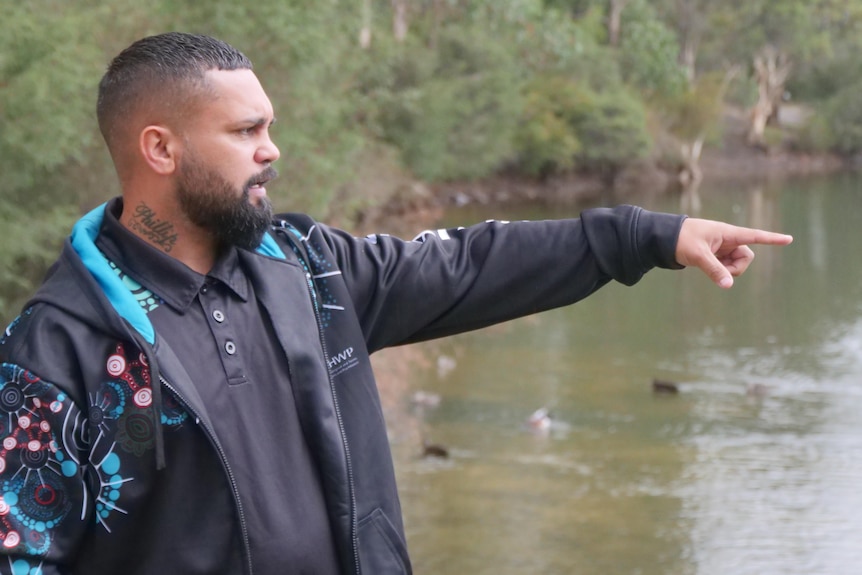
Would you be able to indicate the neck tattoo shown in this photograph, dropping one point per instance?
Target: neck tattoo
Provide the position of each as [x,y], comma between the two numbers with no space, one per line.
[159,232]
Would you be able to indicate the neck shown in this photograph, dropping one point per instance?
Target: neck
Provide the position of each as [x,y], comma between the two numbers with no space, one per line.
[176,236]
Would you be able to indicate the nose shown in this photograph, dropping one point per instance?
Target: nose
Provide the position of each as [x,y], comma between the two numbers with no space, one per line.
[268,152]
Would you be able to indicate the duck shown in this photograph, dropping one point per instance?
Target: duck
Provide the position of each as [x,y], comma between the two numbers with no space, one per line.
[663,386]
[757,389]
[425,399]
[540,420]
[445,365]
[434,450]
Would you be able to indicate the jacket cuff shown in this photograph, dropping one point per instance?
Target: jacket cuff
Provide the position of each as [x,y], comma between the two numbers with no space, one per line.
[657,236]
[628,241]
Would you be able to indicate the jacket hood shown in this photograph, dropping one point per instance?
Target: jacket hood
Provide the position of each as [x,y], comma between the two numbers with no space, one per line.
[83,281]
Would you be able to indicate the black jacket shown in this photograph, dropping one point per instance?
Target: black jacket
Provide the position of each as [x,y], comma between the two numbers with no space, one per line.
[95,479]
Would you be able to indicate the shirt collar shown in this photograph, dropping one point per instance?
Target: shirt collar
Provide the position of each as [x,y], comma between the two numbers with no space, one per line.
[170,279]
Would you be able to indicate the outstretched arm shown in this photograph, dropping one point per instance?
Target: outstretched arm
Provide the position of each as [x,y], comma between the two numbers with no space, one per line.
[721,250]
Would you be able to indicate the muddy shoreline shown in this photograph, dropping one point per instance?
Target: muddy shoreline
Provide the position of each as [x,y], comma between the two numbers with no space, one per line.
[417,205]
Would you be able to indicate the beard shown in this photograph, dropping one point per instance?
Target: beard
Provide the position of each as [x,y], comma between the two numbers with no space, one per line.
[211,202]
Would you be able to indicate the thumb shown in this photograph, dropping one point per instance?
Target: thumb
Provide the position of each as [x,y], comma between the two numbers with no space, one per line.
[716,271]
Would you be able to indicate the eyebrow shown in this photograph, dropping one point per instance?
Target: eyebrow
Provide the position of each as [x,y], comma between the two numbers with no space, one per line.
[257,122]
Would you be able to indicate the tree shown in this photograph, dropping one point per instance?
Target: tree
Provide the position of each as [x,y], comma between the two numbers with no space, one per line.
[769,36]
[399,20]
[771,70]
[615,16]
[690,115]
[649,51]
[690,19]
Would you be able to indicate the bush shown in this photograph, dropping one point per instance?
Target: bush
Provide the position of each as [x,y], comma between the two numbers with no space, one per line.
[649,51]
[455,118]
[546,140]
[613,132]
[567,125]
[31,243]
[844,113]
[48,69]
[839,127]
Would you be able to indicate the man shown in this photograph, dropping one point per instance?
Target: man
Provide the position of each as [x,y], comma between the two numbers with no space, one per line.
[190,392]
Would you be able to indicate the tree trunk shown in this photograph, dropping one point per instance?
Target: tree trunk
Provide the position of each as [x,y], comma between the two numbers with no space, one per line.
[687,56]
[771,70]
[689,23]
[691,172]
[438,18]
[399,19]
[365,31]
[615,14]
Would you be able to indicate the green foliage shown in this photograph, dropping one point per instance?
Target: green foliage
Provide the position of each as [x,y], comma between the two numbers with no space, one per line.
[574,7]
[649,52]
[527,84]
[452,114]
[30,244]
[546,140]
[838,127]
[613,132]
[808,31]
[823,78]
[48,62]
[303,55]
[551,41]
[693,112]
[47,66]
[773,138]
[568,125]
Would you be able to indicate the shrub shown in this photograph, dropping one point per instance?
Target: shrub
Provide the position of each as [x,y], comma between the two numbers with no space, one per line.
[838,128]
[648,52]
[844,116]
[459,121]
[567,125]
[30,245]
[613,132]
[546,140]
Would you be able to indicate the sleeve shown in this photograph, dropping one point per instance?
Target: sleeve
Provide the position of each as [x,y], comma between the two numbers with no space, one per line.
[44,501]
[449,281]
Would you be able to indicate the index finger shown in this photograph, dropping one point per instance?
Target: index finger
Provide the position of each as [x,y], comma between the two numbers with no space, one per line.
[744,236]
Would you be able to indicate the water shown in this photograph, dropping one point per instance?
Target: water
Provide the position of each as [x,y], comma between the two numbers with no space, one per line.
[753,468]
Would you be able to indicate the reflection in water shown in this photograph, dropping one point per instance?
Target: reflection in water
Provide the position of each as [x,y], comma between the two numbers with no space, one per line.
[753,467]
[689,199]
[775,484]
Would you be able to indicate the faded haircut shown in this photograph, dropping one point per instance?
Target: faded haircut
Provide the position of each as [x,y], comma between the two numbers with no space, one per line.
[166,70]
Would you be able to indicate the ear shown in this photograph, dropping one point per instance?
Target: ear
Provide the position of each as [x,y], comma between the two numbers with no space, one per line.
[159,147]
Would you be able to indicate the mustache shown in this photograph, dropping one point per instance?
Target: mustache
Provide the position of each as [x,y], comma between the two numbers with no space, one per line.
[269,173]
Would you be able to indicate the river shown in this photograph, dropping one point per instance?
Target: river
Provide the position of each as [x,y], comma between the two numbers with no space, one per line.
[754,467]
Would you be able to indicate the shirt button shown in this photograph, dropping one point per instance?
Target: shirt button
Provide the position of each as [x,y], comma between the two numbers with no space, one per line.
[204,288]
[230,347]
[218,315]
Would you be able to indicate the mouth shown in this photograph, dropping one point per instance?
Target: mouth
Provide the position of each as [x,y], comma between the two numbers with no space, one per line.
[257,190]
[256,185]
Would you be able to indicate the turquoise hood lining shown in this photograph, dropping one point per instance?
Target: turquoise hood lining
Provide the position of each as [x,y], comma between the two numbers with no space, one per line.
[83,240]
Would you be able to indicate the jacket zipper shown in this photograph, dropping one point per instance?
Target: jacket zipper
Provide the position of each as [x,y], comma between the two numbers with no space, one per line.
[353,507]
[215,442]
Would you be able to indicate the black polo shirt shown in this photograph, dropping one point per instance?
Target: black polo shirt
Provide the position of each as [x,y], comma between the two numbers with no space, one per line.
[225,340]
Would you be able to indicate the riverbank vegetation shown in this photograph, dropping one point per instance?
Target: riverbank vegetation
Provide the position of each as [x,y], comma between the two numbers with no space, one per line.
[383,99]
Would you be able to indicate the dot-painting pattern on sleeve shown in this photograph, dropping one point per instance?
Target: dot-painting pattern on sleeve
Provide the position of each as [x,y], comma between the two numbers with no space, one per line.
[40,470]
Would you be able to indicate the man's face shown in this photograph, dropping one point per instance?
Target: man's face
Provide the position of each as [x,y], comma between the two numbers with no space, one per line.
[212,202]
[226,160]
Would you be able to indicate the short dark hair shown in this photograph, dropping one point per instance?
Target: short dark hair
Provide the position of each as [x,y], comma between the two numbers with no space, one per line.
[167,70]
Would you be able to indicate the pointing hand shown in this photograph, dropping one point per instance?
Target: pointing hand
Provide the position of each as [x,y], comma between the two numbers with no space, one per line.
[721,250]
